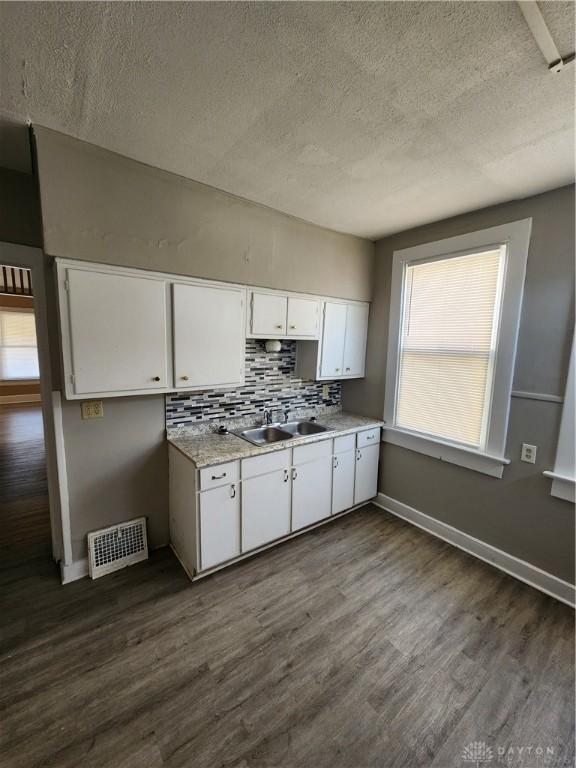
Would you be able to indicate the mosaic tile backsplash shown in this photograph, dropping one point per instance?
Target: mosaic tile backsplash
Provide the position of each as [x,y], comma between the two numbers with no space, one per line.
[270,383]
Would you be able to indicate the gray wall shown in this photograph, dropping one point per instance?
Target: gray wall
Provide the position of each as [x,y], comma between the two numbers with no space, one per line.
[99,206]
[19,209]
[117,467]
[517,513]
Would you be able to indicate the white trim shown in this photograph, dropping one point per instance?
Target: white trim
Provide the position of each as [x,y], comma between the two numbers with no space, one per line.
[74,571]
[445,451]
[67,559]
[31,398]
[562,487]
[537,396]
[520,569]
[516,237]
[563,475]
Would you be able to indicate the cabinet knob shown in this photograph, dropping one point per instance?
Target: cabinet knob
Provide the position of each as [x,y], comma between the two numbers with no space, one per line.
[347,369]
[184,378]
[278,326]
[337,369]
[292,327]
[156,378]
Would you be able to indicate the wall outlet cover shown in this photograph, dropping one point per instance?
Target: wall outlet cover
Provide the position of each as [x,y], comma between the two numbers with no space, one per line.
[92,409]
[528,453]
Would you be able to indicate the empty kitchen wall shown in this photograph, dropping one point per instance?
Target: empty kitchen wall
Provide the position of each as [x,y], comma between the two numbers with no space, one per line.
[99,206]
[517,513]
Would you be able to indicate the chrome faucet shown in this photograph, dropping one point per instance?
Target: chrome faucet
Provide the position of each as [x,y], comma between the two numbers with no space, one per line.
[267,416]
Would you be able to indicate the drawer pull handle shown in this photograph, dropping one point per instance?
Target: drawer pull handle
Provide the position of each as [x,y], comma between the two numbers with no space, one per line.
[358,455]
[232,491]
[286,476]
[369,437]
[347,369]
[335,462]
[219,477]
[294,474]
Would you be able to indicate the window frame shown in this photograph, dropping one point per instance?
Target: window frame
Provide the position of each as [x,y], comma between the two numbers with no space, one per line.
[563,475]
[489,459]
[28,379]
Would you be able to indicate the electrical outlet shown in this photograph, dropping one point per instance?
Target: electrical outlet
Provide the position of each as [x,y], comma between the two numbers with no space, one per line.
[325,391]
[92,409]
[528,453]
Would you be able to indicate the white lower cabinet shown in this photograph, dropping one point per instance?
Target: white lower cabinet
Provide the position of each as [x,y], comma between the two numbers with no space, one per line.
[219,525]
[265,508]
[366,480]
[344,466]
[221,512]
[311,492]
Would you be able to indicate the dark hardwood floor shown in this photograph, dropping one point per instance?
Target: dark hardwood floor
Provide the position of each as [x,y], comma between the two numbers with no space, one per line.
[24,510]
[362,643]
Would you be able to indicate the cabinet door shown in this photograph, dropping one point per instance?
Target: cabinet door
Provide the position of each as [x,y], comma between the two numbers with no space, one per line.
[355,343]
[265,508]
[268,315]
[343,481]
[219,525]
[311,492]
[117,332]
[208,336]
[366,481]
[303,317]
[333,334]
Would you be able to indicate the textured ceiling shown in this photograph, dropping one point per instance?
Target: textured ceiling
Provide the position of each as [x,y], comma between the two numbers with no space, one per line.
[367,118]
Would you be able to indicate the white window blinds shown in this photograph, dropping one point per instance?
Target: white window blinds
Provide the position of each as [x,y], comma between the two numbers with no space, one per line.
[18,350]
[447,345]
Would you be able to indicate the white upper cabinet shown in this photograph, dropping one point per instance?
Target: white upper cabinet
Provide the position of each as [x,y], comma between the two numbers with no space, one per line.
[341,351]
[116,332]
[355,339]
[268,315]
[209,338]
[278,316]
[333,340]
[303,317]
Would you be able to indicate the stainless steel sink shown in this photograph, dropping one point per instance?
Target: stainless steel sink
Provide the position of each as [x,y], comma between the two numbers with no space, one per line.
[304,428]
[265,435]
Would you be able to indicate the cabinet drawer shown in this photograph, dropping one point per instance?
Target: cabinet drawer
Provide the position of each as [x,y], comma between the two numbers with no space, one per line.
[221,474]
[269,462]
[368,437]
[305,453]
[344,443]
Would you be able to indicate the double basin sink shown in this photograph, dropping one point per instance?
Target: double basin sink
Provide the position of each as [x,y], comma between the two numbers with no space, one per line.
[275,433]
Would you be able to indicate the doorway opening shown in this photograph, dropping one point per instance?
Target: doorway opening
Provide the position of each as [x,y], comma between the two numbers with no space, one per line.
[25,528]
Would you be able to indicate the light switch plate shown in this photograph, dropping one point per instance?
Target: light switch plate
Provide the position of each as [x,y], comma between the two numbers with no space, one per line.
[92,409]
[528,453]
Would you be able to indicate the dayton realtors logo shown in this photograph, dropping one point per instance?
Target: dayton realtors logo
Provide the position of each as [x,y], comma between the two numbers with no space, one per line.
[477,753]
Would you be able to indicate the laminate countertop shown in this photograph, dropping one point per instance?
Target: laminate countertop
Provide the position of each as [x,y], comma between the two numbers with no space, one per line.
[209,449]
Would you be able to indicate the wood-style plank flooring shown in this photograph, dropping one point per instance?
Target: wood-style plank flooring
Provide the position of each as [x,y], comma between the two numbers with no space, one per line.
[365,642]
[24,510]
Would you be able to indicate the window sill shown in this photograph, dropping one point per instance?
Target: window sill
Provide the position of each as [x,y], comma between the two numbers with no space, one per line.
[562,487]
[454,454]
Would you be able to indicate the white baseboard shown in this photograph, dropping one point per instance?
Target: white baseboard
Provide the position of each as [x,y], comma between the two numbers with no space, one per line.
[77,570]
[520,569]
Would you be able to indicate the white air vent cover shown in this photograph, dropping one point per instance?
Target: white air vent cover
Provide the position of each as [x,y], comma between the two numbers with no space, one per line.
[116,547]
